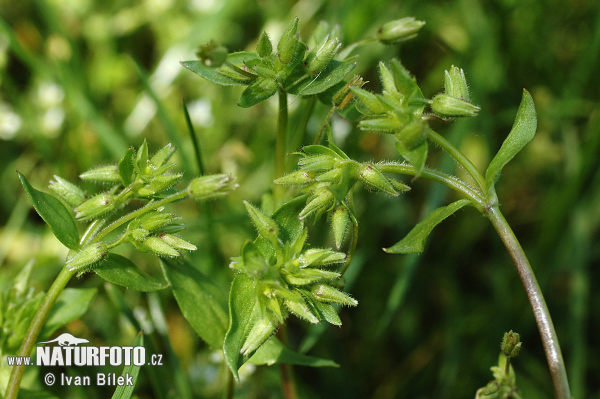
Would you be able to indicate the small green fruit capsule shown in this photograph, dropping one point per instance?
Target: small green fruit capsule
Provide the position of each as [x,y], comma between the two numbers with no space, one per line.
[109,174]
[69,192]
[163,182]
[264,46]
[177,243]
[326,293]
[511,344]
[259,333]
[162,156]
[321,200]
[211,186]
[373,177]
[412,135]
[96,206]
[266,226]
[87,256]
[381,125]
[297,177]
[455,84]
[323,56]
[452,107]
[399,30]
[339,222]
[341,99]
[300,309]
[286,47]
[369,101]
[159,247]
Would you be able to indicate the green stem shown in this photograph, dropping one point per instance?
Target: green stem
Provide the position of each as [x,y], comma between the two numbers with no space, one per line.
[280,145]
[288,383]
[460,158]
[323,125]
[35,328]
[354,233]
[536,300]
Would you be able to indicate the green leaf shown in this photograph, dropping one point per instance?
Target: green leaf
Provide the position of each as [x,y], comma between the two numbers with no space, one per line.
[70,305]
[201,301]
[244,312]
[54,213]
[287,218]
[333,74]
[414,241]
[125,391]
[223,75]
[257,91]
[119,270]
[31,394]
[522,132]
[273,351]
[416,157]
[126,167]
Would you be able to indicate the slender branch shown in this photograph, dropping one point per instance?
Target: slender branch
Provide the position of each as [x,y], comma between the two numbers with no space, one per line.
[536,300]
[288,383]
[35,328]
[460,158]
[323,125]
[280,144]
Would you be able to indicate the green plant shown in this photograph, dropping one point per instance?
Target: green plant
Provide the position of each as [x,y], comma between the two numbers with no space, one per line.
[281,273]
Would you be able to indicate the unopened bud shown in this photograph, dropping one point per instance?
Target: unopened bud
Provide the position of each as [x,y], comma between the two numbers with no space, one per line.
[259,333]
[369,101]
[96,206]
[211,186]
[159,247]
[399,30]
[109,174]
[326,293]
[300,309]
[308,276]
[264,46]
[320,257]
[87,256]
[286,47]
[374,178]
[339,222]
[69,192]
[266,226]
[323,55]
[177,243]
[511,344]
[297,177]
[455,84]
[412,135]
[321,200]
[162,182]
[452,107]
[381,125]
[317,162]
[155,220]
[162,155]
[341,99]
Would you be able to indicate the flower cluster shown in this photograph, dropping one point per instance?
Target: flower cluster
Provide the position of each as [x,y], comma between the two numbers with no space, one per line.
[290,278]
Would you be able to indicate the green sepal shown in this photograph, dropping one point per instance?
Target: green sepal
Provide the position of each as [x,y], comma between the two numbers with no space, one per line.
[54,213]
[266,226]
[522,132]
[286,47]
[264,47]
[414,242]
[371,104]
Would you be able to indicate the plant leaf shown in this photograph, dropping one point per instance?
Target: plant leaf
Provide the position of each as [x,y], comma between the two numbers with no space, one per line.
[258,91]
[54,213]
[416,157]
[522,132]
[119,270]
[126,167]
[287,219]
[200,300]
[125,391]
[71,304]
[244,311]
[224,75]
[273,351]
[333,74]
[414,241]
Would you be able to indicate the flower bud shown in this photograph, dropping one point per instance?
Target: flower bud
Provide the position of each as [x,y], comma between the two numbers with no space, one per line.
[297,177]
[412,135]
[321,257]
[341,99]
[109,173]
[399,30]
[259,333]
[511,344]
[339,222]
[264,46]
[87,256]
[211,54]
[211,186]
[370,101]
[455,84]
[381,125]
[332,175]
[155,220]
[177,243]
[69,192]
[374,178]
[323,55]
[317,162]
[162,182]
[159,247]
[308,276]
[286,47]
[326,293]
[452,107]
[163,155]
[266,226]
[96,206]
[321,200]
[300,309]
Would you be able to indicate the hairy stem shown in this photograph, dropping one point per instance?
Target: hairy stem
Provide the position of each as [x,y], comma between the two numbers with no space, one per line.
[536,300]
[280,145]
[288,384]
[35,328]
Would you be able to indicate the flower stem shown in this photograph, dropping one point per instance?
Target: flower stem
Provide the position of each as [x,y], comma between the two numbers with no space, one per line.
[35,328]
[280,145]
[536,300]
[288,383]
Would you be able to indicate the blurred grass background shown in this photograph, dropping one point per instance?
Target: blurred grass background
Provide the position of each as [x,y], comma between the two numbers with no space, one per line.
[80,81]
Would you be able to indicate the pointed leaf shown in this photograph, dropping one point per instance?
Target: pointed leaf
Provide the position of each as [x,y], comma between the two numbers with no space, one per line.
[333,74]
[223,75]
[125,391]
[287,219]
[522,132]
[126,167]
[414,241]
[121,271]
[244,312]
[258,91]
[70,305]
[273,351]
[200,300]
[54,213]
